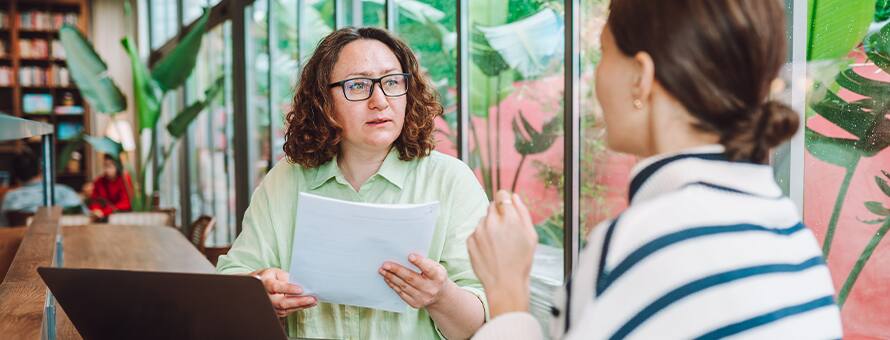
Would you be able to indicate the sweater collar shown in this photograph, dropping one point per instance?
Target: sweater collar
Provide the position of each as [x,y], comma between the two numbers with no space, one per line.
[704,165]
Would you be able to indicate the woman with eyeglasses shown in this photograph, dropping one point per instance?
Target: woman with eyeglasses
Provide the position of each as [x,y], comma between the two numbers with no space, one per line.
[361,129]
[708,248]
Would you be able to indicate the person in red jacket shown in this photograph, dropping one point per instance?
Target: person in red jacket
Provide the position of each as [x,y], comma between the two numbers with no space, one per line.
[110,192]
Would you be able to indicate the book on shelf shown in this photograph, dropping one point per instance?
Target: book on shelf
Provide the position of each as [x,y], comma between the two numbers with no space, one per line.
[2,49]
[53,76]
[33,48]
[45,21]
[4,20]
[5,76]
[58,50]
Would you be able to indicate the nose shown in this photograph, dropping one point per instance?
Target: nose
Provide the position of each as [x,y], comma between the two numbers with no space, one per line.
[378,100]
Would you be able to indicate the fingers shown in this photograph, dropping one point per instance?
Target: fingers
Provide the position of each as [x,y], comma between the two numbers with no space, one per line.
[282,287]
[285,305]
[524,215]
[475,256]
[276,282]
[410,294]
[408,276]
[501,199]
[428,267]
[285,302]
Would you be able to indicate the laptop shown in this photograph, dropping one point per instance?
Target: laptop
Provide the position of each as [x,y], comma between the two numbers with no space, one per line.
[122,304]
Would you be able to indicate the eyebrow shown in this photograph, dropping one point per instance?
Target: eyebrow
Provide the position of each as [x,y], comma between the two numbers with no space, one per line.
[369,74]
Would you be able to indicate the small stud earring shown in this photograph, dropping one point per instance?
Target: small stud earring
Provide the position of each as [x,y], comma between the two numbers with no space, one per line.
[638,104]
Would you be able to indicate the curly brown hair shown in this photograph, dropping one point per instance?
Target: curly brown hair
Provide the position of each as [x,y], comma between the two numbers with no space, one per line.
[313,136]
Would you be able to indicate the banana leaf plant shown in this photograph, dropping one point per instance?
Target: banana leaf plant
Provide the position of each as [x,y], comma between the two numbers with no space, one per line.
[883,213]
[90,75]
[502,51]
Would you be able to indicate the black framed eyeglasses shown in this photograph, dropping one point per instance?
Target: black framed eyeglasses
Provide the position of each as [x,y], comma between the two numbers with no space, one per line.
[358,89]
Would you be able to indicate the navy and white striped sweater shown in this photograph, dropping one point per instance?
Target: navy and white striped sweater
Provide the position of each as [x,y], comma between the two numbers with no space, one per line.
[707,249]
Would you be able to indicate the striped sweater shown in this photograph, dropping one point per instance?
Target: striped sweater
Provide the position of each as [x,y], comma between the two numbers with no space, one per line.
[707,249]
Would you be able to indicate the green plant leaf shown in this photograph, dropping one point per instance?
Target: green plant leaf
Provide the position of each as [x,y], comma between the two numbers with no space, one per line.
[105,145]
[180,124]
[90,73]
[146,91]
[484,56]
[875,221]
[882,183]
[848,116]
[488,91]
[536,142]
[837,151]
[877,208]
[877,47]
[531,45]
[852,81]
[836,27]
[171,71]
[882,10]
[549,233]
[885,173]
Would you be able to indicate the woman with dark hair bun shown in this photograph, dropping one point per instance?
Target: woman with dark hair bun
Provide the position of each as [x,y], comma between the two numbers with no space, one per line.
[708,247]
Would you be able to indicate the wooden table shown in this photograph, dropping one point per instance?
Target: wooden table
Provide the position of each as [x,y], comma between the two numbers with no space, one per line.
[154,248]
[22,293]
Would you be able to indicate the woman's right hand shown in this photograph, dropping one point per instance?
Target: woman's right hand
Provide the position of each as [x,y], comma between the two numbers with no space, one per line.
[286,297]
[501,251]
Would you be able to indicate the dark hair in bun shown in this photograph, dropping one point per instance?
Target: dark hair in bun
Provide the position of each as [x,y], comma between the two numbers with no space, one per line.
[719,59]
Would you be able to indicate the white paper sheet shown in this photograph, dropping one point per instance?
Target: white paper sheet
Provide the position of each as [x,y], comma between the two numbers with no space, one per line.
[339,246]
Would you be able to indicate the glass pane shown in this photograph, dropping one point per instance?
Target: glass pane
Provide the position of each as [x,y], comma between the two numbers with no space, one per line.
[257,78]
[191,10]
[604,174]
[294,32]
[847,159]
[211,162]
[516,120]
[163,21]
[169,179]
[372,13]
[435,44]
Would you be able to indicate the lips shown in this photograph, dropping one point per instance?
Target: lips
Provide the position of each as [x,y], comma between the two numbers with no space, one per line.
[378,121]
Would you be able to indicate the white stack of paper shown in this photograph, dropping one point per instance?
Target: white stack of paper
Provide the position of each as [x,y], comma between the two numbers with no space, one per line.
[339,246]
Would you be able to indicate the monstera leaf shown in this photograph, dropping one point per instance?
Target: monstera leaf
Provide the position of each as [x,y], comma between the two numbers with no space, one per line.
[877,46]
[90,73]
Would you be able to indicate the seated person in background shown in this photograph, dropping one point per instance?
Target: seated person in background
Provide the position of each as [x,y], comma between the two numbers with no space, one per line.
[110,191]
[29,196]
[361,129]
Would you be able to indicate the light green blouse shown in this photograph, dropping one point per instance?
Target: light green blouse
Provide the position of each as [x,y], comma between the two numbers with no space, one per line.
[270,221]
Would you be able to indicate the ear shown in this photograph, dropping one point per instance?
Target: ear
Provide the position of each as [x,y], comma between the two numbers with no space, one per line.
[646,77]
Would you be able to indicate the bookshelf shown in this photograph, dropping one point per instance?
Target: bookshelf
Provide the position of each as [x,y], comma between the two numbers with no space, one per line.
[34,79]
